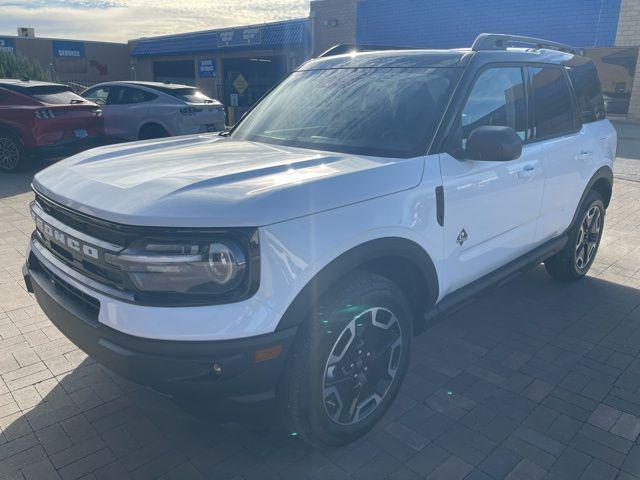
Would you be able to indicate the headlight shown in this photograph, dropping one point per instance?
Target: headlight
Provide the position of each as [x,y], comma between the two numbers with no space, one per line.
[191,270]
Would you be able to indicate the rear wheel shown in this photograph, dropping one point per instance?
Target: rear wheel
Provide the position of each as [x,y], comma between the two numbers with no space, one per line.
[12,154]
[348,361]
[151,131]
[577,256]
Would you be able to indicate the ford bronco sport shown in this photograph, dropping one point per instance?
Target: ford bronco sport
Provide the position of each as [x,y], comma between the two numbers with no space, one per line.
[293,258]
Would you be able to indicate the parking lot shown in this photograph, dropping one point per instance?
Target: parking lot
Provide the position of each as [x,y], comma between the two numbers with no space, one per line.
[538,379]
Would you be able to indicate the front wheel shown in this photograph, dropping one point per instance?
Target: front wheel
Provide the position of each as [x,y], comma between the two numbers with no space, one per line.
[574,260]
[349,361]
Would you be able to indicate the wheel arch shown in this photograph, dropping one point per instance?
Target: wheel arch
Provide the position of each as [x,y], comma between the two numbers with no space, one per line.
[152,123]
[403,261]
[12,130]
[602,182]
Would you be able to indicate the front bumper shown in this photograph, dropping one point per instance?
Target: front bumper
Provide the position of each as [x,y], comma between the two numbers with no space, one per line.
[172,367]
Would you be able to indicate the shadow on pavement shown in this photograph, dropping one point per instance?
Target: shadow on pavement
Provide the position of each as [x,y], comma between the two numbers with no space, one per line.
[12,184]
[471,370]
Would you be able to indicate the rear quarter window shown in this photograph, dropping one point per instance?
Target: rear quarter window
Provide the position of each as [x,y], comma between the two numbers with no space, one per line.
[55,95]
[586,85]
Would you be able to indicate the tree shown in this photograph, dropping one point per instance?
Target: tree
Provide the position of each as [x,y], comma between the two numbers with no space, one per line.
[16,66]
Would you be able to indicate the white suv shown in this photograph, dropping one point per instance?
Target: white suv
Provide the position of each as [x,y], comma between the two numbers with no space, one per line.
[293,259]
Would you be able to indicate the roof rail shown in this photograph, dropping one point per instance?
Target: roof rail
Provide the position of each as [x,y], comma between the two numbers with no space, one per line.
[352,48]
[498,41]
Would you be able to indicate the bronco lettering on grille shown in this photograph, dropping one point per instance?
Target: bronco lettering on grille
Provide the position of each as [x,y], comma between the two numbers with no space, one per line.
[53,234]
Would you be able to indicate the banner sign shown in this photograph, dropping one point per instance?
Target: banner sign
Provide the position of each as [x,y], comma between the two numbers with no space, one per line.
[240,37]
[67,49]
[7,45]
[207,67]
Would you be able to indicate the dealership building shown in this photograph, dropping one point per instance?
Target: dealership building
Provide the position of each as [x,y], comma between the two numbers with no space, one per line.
[78,63]
[238,65]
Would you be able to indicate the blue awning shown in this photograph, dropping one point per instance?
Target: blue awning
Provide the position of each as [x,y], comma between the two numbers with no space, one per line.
[268,35]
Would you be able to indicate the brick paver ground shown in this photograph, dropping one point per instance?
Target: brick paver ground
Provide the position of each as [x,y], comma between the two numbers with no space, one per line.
[539,379]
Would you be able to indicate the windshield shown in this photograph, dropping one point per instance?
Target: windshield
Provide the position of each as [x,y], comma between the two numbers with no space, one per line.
[56,95]
[370,111]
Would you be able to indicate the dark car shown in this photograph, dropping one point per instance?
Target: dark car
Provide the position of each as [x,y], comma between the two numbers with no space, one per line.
[44,119]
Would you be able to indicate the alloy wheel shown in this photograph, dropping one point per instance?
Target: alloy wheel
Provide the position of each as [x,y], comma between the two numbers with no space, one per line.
[588,237]
[9,154]
[362,365]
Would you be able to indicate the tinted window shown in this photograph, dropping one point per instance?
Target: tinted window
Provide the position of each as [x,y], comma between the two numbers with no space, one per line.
[372,111]
[56,95]
[587,88]
[98,95]
[190,95]
[552,103]
[497,98]
[134,95]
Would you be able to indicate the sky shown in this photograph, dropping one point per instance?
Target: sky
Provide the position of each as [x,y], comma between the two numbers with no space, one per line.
[122,20]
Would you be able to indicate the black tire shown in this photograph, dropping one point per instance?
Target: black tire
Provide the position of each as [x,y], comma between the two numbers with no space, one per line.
[151,131]
[574,260]
[302,399]
[12,155]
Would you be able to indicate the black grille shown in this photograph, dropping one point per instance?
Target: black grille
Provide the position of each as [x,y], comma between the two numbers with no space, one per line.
[106,231]
[97,269]
[86,301]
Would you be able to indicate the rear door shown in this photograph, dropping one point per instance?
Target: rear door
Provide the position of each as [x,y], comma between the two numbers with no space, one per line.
[567,147]
[491,207]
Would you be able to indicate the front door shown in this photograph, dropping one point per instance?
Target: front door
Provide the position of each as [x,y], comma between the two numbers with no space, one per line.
[491,207]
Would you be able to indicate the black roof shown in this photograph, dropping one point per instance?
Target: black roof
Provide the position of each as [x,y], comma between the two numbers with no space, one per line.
[416,58]
[23,84]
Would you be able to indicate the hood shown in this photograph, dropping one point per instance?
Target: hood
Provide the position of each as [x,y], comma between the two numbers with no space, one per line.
[212,181]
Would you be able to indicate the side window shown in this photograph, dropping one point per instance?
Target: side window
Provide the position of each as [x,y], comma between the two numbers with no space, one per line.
[588,93]
[117,95]
[552,103]
[98,95]
[497,98]
[134,95]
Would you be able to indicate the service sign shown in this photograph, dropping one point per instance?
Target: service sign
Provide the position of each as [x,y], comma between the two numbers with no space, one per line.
[207,67]
[67,49]
[240,36]
[7,45]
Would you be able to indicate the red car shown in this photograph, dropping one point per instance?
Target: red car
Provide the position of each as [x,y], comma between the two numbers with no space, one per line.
[45,120]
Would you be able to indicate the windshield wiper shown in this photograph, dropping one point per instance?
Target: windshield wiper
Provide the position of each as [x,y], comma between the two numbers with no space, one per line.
[76,100]
[224,133]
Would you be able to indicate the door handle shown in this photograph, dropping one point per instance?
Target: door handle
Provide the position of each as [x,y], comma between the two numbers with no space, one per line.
[527,172]
[585,154]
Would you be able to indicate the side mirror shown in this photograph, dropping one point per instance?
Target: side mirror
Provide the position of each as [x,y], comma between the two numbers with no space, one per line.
[493,143]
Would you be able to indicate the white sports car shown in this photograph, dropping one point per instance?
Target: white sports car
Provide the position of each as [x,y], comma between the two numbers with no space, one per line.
[143,110]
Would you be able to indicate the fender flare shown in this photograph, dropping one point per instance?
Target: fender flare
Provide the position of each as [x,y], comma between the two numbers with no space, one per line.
[358,257]
[603,174]
[12,130]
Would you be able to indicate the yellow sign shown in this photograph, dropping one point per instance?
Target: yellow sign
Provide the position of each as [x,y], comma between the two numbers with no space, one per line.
[240,84]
